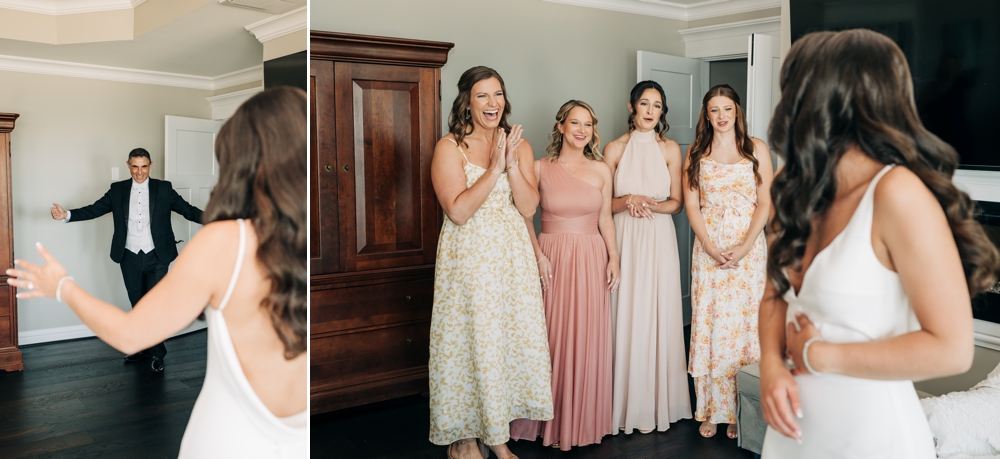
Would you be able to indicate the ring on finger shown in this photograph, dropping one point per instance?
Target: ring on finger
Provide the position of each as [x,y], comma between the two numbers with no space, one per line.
[31,285]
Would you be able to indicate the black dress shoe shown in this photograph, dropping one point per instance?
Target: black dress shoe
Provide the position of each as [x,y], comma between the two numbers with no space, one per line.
[157,365]
[137,357]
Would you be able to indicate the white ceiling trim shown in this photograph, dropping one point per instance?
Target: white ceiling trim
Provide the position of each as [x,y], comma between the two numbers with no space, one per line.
[670,10]
[729,29]
[247,75]
[100,72]
[727,40]
[61,7]
[225,105]
[279,26]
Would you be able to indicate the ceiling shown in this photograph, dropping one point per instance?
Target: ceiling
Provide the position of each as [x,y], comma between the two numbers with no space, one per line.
[209,41]
[68,6]
[684,10]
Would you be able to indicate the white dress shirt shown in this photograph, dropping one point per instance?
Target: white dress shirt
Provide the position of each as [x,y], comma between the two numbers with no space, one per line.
[139,237]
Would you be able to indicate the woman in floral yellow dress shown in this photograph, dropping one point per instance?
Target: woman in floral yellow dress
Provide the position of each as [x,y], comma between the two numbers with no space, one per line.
[728,175]
[489,353]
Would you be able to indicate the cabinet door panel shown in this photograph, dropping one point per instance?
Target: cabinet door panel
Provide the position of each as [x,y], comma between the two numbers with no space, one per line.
[324,235]
[387,133]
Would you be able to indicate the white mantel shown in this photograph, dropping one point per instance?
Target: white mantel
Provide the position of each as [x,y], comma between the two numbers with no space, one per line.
[982,186]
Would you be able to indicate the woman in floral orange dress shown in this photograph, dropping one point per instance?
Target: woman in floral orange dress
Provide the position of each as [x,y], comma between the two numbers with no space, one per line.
[728,177]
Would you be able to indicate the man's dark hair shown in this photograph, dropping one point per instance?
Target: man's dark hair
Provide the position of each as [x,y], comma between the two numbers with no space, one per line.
[138,152]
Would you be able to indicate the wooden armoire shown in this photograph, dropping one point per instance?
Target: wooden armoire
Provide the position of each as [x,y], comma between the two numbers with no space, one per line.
[376,117]
[10,355]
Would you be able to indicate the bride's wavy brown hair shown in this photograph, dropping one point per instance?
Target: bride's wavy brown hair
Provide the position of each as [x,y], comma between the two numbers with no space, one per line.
[262,178]
[840,89]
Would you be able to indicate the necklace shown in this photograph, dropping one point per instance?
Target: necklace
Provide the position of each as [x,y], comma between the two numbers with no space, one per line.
[573,171]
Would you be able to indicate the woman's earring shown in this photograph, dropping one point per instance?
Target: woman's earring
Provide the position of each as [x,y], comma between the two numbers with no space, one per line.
[468,114]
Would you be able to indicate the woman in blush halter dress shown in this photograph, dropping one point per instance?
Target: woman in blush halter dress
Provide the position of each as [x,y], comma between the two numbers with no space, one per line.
[650,384]
[248,264]
[578,263]
[873,257]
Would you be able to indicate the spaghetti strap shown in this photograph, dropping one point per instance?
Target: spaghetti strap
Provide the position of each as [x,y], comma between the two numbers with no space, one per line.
[459,149]
[239,265]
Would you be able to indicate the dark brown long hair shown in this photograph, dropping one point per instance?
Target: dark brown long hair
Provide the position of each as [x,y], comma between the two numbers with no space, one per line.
[460,119]
[662,126]
[591,151]
[705,133]
[262,177]
[840,89]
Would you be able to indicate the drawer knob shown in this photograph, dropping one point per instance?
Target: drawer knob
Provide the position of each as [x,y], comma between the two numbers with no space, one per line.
[409,341]
[347,168]
[409,298]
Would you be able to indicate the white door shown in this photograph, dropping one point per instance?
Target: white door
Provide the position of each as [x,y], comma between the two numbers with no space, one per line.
[682,81]
[760,86]
[189,164]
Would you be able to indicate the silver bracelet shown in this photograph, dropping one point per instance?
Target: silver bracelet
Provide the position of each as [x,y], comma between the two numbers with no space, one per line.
[59,287]
[805,354]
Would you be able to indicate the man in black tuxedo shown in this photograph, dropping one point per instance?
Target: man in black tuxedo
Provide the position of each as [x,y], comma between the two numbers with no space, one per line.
[143,243]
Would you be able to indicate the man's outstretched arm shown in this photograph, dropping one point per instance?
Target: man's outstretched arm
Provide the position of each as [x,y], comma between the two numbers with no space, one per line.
[97,209]
[182,207]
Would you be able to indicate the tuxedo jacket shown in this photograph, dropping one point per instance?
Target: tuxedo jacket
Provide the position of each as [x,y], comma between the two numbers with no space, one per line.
[162,200]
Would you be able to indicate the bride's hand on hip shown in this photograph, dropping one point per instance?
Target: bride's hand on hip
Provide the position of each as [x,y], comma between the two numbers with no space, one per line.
[795,340]
[779,398]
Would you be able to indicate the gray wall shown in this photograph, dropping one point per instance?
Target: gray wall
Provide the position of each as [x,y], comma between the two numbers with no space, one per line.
[547,53]
[71,132]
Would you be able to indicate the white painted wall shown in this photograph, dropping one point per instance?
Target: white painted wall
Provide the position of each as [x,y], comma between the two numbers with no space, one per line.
[71,132]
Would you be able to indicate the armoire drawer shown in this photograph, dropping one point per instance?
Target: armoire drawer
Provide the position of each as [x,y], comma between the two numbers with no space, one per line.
[371,356]
[369,306]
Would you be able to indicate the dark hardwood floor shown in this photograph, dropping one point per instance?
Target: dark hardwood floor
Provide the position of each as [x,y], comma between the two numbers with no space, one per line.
[399,429]
[78,399]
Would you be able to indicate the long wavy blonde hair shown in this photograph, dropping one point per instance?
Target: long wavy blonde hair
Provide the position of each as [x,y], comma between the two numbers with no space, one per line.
[591,151]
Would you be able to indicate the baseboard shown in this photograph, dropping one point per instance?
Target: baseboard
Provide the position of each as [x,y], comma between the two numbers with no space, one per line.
[49,335]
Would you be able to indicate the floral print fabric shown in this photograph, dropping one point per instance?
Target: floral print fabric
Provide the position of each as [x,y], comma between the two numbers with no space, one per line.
[724,302]
[489,356]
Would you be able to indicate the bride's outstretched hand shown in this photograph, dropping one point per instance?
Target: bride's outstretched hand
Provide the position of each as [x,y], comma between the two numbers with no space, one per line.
[36,281]
[779,398]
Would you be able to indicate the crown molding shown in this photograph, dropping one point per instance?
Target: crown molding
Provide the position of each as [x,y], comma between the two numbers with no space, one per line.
[678,11]
[61,7]
[279,26]
[7,122]
[729,40]
[223,106]
[730,29]
[101,72]
[336,46]
[247,75]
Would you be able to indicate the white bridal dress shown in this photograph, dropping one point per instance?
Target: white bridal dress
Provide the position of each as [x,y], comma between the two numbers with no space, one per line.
[229,420]
[851,297]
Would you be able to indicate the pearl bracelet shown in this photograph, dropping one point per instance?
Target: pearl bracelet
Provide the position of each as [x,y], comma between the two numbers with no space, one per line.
[805,354]
[59,287]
